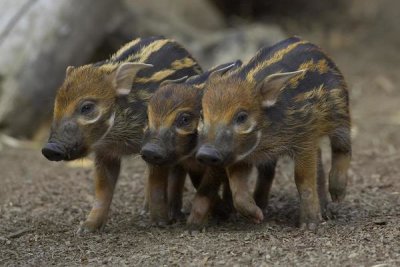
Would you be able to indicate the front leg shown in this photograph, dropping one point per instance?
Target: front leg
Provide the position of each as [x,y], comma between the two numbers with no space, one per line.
[206,197]
[176,183]
[243,201]
[157,193]
[306,165]
[106,175]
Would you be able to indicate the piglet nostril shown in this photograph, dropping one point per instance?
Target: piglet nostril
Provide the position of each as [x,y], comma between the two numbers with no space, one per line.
[153,153]
[209,155]
[53,152]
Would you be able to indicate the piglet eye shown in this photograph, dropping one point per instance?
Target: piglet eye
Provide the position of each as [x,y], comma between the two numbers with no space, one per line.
[87,108]
[184,120]
[241,117]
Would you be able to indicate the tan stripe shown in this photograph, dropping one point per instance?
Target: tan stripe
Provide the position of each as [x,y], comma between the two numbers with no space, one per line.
[158,76]
[146,51]
[125,48]
[199,86]
[316,92]
[183,63]
[321,67]
[162,74]
[275,58]
[109,67]
[144,95]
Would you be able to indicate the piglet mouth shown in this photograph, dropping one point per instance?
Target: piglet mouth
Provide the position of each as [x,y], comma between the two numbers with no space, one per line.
[76,153]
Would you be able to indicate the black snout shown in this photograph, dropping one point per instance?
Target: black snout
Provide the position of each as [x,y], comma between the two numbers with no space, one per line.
[209,155]
[53,152]
[153,153]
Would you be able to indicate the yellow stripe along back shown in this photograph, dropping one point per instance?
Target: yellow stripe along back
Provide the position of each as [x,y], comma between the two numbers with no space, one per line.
[162,74]
[275,58]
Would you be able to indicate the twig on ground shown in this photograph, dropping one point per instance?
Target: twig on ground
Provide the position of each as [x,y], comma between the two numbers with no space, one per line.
[19,233]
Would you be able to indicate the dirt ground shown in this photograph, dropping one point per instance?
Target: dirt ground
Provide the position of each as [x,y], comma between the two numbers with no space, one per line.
[42,203]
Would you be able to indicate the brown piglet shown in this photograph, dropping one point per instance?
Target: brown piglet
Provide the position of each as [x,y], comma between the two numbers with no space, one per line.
[282,102]
[169,147]
[101,108]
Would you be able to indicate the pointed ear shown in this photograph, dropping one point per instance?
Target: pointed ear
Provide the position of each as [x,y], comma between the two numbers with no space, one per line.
[179,80]
[125,75]
[270,87]
[220,70]
[69,70]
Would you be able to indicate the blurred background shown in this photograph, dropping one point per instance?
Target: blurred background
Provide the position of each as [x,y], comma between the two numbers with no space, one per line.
[40,38]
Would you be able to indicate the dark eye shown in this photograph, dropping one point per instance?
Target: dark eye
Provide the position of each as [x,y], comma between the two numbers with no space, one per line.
[184,120]
[87,108]
[241,117]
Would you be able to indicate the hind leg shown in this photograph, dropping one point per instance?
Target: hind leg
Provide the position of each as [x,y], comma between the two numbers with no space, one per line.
[223,207]
[341,156]
[266,173]
[306,168]
[321,185]
[227,194]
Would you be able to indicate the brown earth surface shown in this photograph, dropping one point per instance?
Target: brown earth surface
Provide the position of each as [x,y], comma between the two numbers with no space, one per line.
[42,203]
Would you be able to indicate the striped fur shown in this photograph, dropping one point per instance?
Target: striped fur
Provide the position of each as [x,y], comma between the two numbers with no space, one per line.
[113,126]
[176,143]
[288,119]
[317,95]
[169,60]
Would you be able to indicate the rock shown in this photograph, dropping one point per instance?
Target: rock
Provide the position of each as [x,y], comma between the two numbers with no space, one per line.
[237,43]
[38,40]
[200,27]
[173,18]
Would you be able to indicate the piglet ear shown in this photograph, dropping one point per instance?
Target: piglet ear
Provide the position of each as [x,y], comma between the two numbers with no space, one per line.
[125,75]
[69,70]
[220,70]
[271,86]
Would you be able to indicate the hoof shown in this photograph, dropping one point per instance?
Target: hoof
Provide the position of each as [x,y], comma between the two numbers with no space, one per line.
[310,226]
[176,216]
[337,185]
[255,214]
[326,212]
[247,208]
[194,227]
[197,220]
[160,223]
[311,222]
[337,195]
[201,208]
[89,227]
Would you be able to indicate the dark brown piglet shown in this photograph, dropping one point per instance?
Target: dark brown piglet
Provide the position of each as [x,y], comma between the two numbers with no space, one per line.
[101,108]
[169,147]
[280,103]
